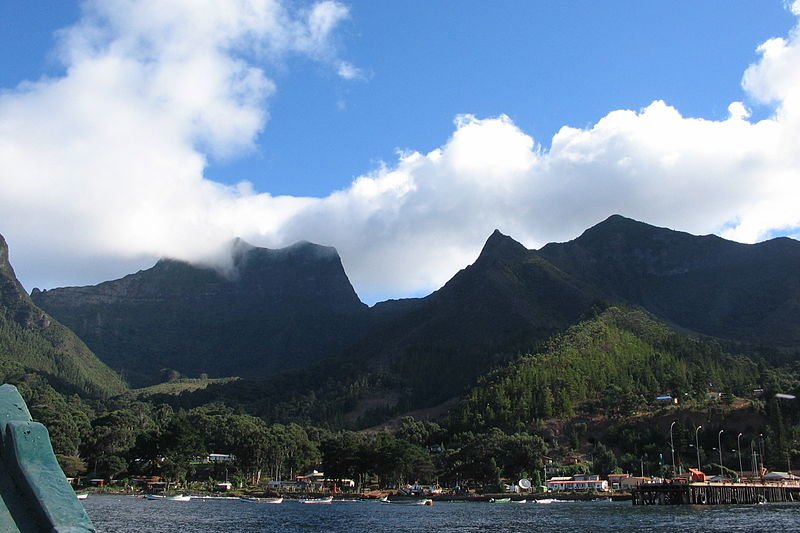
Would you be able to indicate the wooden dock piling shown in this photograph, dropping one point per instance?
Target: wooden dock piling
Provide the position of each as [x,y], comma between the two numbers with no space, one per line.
[714,493]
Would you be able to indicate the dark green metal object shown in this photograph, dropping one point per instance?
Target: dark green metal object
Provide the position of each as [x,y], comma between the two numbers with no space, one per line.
[34,494]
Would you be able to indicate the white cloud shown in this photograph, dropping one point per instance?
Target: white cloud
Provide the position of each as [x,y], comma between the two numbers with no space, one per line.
[348,71]
[108,159]
[106,163]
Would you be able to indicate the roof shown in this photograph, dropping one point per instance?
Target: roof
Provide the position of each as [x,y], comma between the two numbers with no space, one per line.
[570,481]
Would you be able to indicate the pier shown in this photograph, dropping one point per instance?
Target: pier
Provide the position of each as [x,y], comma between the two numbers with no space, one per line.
[714,493]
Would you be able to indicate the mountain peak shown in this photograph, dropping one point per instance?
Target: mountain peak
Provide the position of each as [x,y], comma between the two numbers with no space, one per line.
[10,287]
[4,262]
[615,225]
[499,245]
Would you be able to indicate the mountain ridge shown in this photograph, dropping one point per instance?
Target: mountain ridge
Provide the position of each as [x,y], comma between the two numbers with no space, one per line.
[707,284]
[276,308]
[507,301]
[32,341]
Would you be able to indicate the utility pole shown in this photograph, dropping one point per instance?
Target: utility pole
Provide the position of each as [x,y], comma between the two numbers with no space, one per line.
[672,447]
[697,445]
[739,451]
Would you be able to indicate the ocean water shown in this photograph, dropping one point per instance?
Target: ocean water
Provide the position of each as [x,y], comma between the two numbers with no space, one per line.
[127,514]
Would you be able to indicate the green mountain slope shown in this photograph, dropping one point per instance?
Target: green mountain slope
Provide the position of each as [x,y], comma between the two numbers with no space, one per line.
[612,363]
[290,323]
[511,300]
[31,341]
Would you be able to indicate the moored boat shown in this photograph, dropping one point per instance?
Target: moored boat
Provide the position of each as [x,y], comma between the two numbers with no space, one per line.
[500,500]
[407,501]
[327,499]
[82,495]
[252,499]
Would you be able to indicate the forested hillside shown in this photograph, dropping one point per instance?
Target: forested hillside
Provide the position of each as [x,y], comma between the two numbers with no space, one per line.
[31,341]
[616,363]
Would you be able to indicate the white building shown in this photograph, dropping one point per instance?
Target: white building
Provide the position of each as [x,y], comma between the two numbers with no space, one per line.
[580,482]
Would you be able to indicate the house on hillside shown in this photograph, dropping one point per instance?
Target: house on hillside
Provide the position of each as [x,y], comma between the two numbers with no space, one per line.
[317,481]
[631,482]
[220,458]
[666,399]
[577,483]
[615,480]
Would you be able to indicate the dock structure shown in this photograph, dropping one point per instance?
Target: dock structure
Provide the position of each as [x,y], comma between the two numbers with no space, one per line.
[714,493]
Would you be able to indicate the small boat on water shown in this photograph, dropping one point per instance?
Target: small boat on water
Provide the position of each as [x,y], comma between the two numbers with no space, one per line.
[327,499]
[261,500]
[519,501]
[175,498]
[500,500]
[82,495]
[407,501]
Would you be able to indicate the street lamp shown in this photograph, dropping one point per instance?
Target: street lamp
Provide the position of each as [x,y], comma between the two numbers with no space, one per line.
[672,447]
[739,450]
[697,445]
[719,443]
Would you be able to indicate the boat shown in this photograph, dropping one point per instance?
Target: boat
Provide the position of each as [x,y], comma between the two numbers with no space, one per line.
[519,501]
[179,498]
[545,500]
[154,497]
[500,500]
[82,495]
[261,500]
[407,501]
[327,499]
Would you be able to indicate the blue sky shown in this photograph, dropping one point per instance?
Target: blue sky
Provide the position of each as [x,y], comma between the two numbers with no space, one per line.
[415,68]
[545,64]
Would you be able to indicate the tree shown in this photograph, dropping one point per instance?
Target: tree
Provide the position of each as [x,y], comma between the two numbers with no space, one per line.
[72,465]
[604,460]
[179,443]
[248,440]
[776,434]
